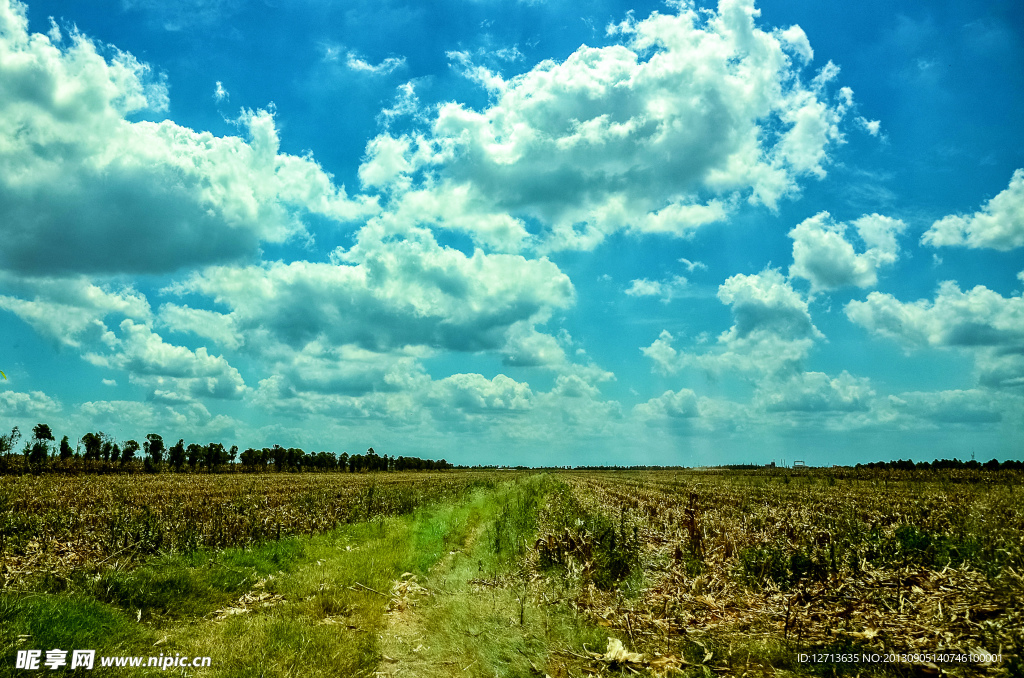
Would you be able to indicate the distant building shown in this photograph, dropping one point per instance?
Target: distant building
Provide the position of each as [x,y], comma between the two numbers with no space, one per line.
[799,464]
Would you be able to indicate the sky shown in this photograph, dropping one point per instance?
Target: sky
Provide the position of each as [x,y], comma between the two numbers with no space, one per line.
[505,232]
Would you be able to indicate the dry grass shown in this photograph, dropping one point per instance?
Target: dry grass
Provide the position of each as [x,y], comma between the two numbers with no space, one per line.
[54,526]
[751,569]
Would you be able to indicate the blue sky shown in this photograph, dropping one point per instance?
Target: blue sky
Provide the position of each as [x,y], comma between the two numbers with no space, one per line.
[517,232]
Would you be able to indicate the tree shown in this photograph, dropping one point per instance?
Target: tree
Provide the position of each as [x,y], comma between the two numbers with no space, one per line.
[215,456]
[42,432]
[39,449]
[93,444]
[176,455]
[8,442]
[107,448]
[154,447]
[65,449]
[129,450]
[195,452]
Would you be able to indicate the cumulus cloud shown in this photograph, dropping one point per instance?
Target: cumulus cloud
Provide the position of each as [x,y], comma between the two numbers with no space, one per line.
[815,392]
[681,404]
[666,290]
[823,255]
[771,333]
[526,347]
[83,189]
[972,407]
[467,394]
[70,311]
[217,327]
[131,417]
[385,294]
[662,132]
[979,321]
[159,366]
[999,224]
[683,412]
[35,403]
[219,93]
[75,313]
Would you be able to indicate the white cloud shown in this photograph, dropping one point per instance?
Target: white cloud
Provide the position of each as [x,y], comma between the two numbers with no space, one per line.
[772,331]
[665,357]
[360,65]
[974,406]
[70,311]
[159,366]
[74,312]
[998,225]
[979,321]
[872,127]
[815,392]
[406,103]
[823,255]
[133,419]
[681,404]
[667,290]
[321,369]
[683,412]
[384,295]
[35,403]
[219,93]
[81,187]
[526,347]
[469,394]
[217,327]
[663,133]
[692,266]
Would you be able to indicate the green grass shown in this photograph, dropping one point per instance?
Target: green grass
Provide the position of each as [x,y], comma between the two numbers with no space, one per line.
[330,593]
[47,621]
[489,614]
[495,605]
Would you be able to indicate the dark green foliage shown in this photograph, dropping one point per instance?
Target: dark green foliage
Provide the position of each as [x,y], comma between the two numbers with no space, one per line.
[195,583]
[60,621]
[129,450]
[761,564]
[65,449]
[516,521]
[609,553]
[916,545]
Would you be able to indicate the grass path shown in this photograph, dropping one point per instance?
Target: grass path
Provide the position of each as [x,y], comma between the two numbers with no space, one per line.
[483,611]
[334,604]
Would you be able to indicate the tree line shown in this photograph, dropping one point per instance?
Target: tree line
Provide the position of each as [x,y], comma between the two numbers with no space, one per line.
[945,464]
[100,453]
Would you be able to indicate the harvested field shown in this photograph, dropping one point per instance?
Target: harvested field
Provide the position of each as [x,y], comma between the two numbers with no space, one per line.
[750,566]
[53,525]
[565,574]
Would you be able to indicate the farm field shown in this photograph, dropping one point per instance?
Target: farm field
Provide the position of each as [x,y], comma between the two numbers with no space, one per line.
[466,573]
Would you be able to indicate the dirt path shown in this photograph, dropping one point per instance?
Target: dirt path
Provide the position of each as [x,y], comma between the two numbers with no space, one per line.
[406,641]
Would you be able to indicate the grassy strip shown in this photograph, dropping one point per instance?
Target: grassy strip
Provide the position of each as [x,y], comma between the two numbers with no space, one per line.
[488,612]
[319,606]
[324,601]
